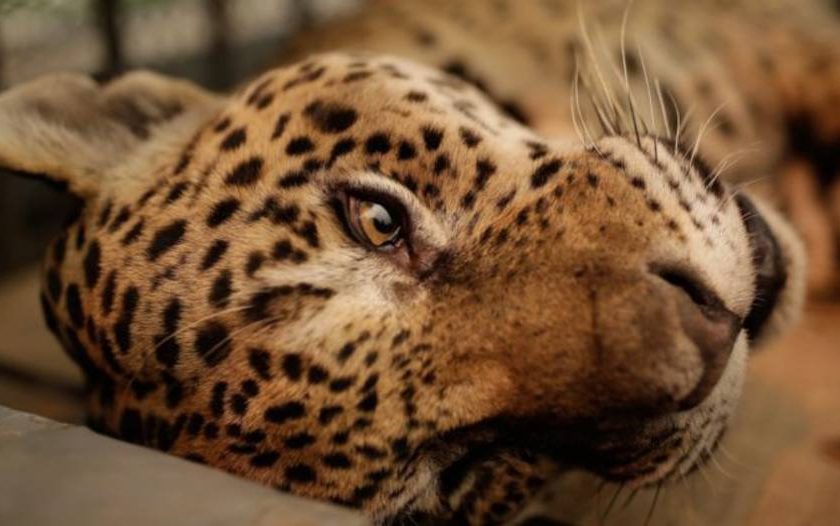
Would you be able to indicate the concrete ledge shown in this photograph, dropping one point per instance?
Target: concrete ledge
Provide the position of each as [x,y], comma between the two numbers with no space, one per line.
[53,473]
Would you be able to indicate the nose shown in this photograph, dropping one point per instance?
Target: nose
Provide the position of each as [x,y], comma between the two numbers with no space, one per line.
[708,324]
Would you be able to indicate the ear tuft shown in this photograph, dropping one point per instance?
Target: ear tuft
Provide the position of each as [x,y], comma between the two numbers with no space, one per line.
[72,131]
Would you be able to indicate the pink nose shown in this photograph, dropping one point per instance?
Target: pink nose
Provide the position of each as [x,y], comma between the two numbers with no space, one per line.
[709,325]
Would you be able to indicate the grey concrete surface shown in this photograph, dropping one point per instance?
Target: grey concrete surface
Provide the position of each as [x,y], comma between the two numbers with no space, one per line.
[59,474]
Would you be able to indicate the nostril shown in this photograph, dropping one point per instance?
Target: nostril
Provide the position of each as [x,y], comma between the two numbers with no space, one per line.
[696,290]
[707,323]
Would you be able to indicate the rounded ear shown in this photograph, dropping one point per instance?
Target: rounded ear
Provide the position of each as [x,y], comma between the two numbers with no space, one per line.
[72,131]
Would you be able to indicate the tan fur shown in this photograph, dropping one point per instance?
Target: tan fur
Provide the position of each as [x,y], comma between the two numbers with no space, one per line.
[222,311]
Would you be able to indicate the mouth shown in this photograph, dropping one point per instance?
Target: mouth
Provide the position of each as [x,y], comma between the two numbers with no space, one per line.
[472,463]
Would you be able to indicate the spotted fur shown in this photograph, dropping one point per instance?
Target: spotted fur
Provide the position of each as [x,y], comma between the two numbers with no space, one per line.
[556,305]
[766,71]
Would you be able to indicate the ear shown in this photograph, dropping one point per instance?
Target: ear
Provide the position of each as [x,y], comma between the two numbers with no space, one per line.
[73,131]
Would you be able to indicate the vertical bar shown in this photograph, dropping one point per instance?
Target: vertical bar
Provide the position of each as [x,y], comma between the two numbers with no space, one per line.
[109,22]
[218,13]
[303,13]
[2,58]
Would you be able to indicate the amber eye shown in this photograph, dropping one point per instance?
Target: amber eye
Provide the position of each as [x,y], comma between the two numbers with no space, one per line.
[375,223]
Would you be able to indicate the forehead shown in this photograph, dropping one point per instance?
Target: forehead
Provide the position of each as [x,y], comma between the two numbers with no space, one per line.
[354,95]
[436,135]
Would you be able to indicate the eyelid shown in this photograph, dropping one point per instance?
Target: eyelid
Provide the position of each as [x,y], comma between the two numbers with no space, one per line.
[423,227]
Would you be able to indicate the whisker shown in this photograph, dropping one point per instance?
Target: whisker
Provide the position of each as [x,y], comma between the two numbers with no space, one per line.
[662,108]
[653,504]
[703,131]
[650,99]
[611,503]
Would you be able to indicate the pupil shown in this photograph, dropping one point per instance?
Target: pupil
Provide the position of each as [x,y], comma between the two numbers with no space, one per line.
[382,220]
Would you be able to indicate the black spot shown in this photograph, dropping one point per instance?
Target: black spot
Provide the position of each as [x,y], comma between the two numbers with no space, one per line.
[166,238]
[217,399]
[328,413]
[123,216]
[92,264]
[299,440]
[470,138]
[514,111]
[282,250]
[239,404]
[309,232]
[59,248]
[265,101]
[131,426]
[341,148]
[280,126]
[134,233]
[406,151]
[363,493]
[356,76]
[484,169]
[280,414]
[544,172]
[105,215]
[80,236]
[211,431]
[174,391]
[432,138]
[254,437]
[167,349]
[292,367]
[592,179]
[416,96]
[265,459]
[54,284]
[342,384]
[441,164]
[346,351]
[222,211]
[221,289]
[214,254]
[260,362]
[194,424]
[212,343]
[73,303]
[176,192]
[255,261]
[108,292]
[250,388]
[122,329]
[638,182]
[222,125]
[378,143]
[368,403]
[293,179]
[337,461]
[300,473]
[300,146]
[246,172]
[329,117]
[316,374]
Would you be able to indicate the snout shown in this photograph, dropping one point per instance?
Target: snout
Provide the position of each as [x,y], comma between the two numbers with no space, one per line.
[708,324]
[663,339]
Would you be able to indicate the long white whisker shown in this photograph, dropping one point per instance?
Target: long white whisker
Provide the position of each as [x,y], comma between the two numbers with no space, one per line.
[703,130]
